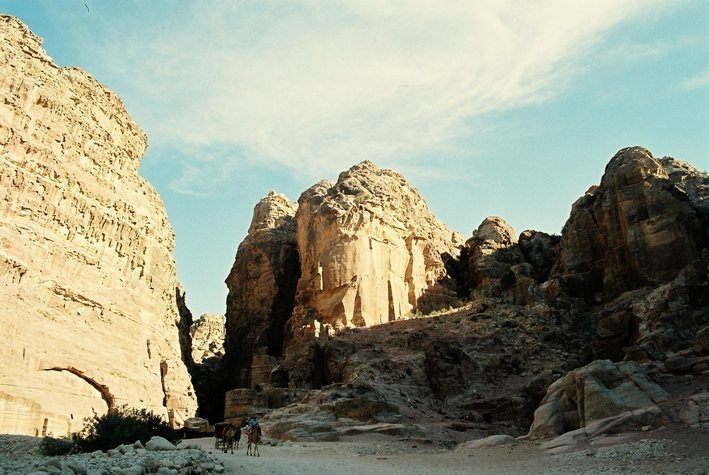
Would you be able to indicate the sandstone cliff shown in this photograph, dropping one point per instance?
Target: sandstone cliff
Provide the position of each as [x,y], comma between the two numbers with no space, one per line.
[89,316]
[361,252]
[627,280]
[646,221]
[261,286]
[207,369]
[371,252]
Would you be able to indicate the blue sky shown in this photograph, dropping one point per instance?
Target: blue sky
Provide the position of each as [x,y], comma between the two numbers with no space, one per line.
[497,107]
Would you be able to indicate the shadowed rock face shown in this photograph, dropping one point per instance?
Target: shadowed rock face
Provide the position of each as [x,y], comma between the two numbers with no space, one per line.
[89,316]
[207,351]
[261,286]
[496,265]
[646,221]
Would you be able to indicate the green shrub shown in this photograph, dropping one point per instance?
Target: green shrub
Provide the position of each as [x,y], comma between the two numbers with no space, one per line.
[56,446]
[122,426]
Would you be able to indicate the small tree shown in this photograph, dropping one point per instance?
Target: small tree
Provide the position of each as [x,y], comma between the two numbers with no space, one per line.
[122,426]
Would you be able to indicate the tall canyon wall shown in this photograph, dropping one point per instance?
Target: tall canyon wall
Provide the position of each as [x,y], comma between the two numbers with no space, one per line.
[87,279]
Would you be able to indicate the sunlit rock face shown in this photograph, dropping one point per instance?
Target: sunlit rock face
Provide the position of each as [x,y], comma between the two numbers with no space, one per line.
[645,222]
[371,252]
[89,317]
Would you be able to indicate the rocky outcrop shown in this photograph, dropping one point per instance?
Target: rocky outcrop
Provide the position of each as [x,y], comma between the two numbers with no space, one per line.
[496,265]
[262,285]
[641,226]
[207,367]
[361,252]
[89,316]
[608,398]
[207,335]
[371,252]
[539,305]
[648,323]
[491,253]
[600,394]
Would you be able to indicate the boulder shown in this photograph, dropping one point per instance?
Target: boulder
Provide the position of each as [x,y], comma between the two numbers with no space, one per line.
[602,397]
[157,443]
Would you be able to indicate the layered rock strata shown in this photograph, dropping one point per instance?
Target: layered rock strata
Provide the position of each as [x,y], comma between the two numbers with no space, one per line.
[89,316]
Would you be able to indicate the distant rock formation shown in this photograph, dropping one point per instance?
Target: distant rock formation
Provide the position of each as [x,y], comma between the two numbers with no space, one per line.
[261,287]
[645,222]
[628,279]
[496,265]
[361,252]
[207,370]
[89,317]
[207,337]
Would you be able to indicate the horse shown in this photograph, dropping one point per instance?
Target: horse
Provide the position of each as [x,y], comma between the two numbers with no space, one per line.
[253,436]
[232,435]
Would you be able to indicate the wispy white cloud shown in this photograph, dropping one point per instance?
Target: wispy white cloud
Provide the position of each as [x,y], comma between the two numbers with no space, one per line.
[698,81]
[317,86]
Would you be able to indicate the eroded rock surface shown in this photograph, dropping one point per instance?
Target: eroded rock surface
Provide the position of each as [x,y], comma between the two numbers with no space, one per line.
[89,316]
[644,223]
[261,286]
[540,306]
[371,252]
[207,337]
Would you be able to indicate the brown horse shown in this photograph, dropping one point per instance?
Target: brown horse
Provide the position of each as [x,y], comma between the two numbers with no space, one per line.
[232,434]
[253,436]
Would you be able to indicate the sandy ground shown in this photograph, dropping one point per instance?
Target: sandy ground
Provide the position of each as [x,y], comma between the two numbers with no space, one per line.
[675,450]
[659,452]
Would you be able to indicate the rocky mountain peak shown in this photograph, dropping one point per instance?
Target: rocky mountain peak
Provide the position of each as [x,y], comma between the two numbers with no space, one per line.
[367,250]
[632,166]
[640,226]
[274,211]
[496,232]
[370,225]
